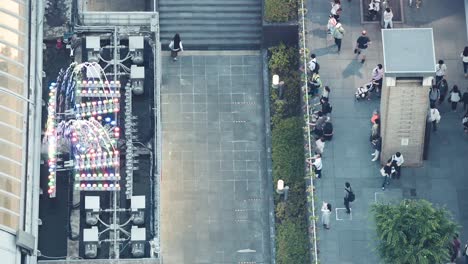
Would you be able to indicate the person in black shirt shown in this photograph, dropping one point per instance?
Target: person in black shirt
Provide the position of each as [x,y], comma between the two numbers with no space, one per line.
[361,45]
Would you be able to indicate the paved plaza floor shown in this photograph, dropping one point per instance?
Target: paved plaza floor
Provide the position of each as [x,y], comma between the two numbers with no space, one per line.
[443,179]
[214,207]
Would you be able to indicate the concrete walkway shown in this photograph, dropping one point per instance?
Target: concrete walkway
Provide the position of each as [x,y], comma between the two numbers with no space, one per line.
[443,178]
[213,189]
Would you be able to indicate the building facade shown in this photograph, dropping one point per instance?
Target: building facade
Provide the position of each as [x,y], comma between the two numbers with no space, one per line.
[20,115]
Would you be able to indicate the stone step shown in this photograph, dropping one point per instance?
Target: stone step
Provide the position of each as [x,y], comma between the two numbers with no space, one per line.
[255,28]
[249,22]
[216,44]
[211,8]
[211,3]
[207,15]
[209,35]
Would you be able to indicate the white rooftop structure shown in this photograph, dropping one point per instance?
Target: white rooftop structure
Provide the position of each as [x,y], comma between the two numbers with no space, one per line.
[137,72]
[92,203]
[408,52]
[138,202]
[138,234]
[93,42]
[135,42]
[91,234]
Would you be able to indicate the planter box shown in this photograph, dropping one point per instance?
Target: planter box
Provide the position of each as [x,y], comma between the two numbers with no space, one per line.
[275,33]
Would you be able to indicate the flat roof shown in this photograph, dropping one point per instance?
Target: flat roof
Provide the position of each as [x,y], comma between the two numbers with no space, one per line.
[408,50]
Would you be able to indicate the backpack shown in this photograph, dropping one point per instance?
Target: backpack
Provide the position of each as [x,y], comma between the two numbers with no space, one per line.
[317,67]
[351,196]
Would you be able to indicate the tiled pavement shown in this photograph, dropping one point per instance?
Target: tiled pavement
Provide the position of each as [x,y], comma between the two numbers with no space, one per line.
[214,171]
[443,179]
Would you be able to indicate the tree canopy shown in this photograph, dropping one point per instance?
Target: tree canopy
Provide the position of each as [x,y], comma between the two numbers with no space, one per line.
[414,231]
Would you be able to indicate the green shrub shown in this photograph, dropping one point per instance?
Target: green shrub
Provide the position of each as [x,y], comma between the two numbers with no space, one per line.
[288,151]
[280,10]
[413,231]
[284,61]
[292,243]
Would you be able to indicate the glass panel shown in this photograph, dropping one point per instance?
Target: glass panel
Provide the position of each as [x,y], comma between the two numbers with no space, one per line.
[13,7]
[9,220]
[11,118]
[10,168]
[11,37]
[11,135]
[12,21]
[11,68]
[12,53]
[11,152]
[9,83]
[10,185]
[9,202]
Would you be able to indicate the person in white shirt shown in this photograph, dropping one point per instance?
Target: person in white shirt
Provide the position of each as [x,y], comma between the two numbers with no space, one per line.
[312,65]
[397,160]
[388,18]
[441,70]
[434,117]
[464,56]
[377,76]
[336,8]
[316,161]
[176,46]
[320,145]
[326,212]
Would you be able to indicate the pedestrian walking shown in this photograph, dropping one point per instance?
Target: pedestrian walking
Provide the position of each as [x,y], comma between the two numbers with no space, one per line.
[454,97]
[441,70]
[338,34]
[176,46]
[377,77]
[388,18]
[336,8]
[349,197]
[326,212]
[465,99]
[465,123]
[434,117]
[434,95]
[464,56]
[443,88]
[332,21]
[386,172]
[397,161]
[320,145]
[377,144]
[455,246]
[313,65]
[361,46]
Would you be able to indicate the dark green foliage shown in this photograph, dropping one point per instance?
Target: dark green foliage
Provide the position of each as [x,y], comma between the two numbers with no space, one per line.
[292,243]
[413,232]
[280,10]
[284,61]
[288,157]
[288,150]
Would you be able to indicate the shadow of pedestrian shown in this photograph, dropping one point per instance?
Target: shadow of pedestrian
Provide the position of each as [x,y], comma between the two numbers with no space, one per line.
[354,68]
[325,50]
[319,33]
